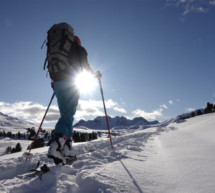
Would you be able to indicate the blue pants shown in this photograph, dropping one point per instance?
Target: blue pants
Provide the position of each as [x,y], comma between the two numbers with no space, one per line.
[67,97]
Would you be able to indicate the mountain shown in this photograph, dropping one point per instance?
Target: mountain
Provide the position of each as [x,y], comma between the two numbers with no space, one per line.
[99,123]
[9,123]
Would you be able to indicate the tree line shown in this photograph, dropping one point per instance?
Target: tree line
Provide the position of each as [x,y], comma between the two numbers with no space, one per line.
[27,135]
[210,108]
[44,139]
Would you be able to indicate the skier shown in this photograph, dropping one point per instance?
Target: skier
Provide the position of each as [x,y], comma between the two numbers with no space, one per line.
[66,58]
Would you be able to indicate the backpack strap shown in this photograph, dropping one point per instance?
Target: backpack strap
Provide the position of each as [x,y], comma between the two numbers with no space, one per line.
[44,65]
[47,51]
[43,43]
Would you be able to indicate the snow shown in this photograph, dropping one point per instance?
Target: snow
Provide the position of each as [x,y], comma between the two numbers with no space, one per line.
[186,159]
[6,142]
[11,124]
[171,157]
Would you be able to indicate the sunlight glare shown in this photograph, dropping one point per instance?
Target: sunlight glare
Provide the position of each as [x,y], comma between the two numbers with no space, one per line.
[86,82]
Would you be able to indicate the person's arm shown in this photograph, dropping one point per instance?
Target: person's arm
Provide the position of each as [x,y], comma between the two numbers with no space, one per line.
[86,65]
[84,61]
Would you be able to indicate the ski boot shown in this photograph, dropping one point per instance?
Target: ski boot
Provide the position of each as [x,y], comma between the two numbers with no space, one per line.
[69,152]
[56,149]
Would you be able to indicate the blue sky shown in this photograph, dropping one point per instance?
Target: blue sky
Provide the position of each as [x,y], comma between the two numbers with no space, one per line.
[157,57]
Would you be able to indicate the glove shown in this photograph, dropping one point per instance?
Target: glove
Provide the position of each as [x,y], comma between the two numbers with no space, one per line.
[98,75]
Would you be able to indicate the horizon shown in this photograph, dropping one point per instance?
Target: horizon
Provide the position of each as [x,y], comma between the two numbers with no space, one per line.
[156,59]
[180,116]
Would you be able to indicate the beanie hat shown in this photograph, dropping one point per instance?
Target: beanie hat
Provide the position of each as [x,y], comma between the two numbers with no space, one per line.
[78,41]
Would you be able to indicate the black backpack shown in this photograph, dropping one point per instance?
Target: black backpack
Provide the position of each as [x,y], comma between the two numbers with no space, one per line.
[62,50]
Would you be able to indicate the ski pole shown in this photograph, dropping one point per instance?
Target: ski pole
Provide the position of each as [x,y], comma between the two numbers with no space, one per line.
[108,126]
[32,144]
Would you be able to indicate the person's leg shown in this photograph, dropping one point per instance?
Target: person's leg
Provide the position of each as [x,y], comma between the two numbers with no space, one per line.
[67,98]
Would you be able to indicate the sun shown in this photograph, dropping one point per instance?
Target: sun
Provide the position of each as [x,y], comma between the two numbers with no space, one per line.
[85,82]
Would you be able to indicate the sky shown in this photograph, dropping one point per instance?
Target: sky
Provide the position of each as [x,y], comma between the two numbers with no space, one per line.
[156,56]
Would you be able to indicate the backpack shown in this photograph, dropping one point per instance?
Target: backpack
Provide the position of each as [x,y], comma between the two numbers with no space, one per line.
[61,48]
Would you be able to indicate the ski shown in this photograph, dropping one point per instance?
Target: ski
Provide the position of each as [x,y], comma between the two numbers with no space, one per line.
[44,169]
[70,160]
[39,172]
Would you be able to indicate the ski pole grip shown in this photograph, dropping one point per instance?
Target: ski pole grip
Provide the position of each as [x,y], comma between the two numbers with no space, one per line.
[98,75]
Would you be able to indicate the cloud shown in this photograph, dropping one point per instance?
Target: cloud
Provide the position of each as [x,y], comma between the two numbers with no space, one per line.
[190,109]
[29,111]
[171,102]
[119,109]
[51,117]
[192,6]
[96,108]
[194,9]
[212,2]
[34,112]
[148,115]
[88,108]
[163,106]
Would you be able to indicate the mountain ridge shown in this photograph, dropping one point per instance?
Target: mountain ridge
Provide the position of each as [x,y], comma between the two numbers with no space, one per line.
[10,123]
[118,122]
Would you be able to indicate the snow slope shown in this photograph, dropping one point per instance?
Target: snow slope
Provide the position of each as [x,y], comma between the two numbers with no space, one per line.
[186,157]
[12,124]
[170,158]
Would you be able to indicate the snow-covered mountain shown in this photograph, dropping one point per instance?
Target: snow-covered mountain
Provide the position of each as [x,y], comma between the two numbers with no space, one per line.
[99,123]
[9,123]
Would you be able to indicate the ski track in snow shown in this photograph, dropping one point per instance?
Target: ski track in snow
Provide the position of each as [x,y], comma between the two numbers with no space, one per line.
[85,175]
[143,161]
